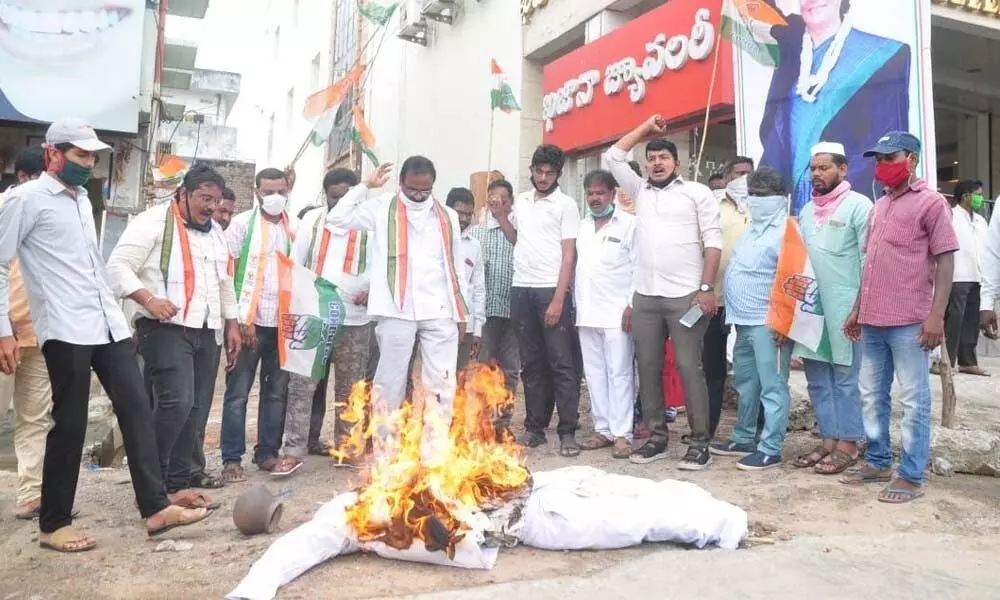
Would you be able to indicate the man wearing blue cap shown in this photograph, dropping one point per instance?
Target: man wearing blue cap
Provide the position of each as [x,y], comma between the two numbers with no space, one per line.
[899,314]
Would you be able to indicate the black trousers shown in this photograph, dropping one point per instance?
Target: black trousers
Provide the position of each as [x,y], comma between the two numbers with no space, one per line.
[319,396]
[180,368]
[548,360]
[69,367]
[716,367]
[962,323]
[200,415]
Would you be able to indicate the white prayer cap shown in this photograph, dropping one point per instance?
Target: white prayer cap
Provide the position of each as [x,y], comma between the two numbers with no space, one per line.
[829,148]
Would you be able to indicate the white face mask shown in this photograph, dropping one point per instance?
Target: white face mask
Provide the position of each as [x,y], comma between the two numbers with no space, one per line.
[719,194]
[273,204]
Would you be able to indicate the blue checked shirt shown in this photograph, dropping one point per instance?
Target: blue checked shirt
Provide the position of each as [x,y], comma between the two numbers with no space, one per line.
[498,258]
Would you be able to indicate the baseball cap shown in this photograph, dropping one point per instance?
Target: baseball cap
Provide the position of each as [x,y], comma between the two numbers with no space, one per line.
[76,132]
[894,141]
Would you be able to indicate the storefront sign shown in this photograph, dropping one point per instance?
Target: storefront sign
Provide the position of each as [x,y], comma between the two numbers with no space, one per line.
[528,8]
[986,7]
[652,65]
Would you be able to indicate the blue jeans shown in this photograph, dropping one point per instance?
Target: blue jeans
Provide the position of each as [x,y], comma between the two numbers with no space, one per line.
[270,407]
[836,398]
[887,351]
[760,376]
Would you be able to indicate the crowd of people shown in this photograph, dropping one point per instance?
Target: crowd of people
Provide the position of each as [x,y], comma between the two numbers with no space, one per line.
[549,296]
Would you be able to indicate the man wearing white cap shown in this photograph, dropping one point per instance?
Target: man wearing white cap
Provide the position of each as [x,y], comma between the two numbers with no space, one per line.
[49,224]
[834,226]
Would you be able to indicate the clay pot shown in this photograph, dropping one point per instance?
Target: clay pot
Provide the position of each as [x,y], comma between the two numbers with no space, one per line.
[257,511]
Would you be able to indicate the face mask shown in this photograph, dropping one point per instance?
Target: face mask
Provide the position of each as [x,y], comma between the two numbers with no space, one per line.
[765,209]
[719,194]
[976,201]
[738,192]
[273,204]
[74,174]
[607,212]
[892,174]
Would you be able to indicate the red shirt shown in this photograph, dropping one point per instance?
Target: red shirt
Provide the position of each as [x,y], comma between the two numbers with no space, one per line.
[906,234]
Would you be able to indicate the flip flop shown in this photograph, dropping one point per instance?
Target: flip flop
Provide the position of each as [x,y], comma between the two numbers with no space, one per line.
[192,499]
[569,448]
[280,471]
[175,519]
[60,539]
[864,474]
[907,495]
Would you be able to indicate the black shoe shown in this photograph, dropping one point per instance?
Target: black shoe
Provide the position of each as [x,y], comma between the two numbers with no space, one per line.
[533,439]
[696,459]
[651,451]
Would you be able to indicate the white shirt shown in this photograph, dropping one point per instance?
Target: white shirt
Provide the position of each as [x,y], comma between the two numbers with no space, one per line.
[54,235]
[474,275]
[990,291]
[674,225]
[427,283]
[267,306]
[971,232]
[134,264]
[605,268]
[349,286]
[542,225]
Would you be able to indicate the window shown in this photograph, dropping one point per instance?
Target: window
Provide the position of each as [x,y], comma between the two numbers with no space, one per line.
[314,83]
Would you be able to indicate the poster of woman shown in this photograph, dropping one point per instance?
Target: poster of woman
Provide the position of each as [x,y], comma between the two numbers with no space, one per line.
[843,71]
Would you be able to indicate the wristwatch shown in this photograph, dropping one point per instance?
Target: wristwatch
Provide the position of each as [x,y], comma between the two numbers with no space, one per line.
[706,287]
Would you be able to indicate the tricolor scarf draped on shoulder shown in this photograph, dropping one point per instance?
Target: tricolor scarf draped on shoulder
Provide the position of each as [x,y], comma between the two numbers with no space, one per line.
[357,248]
[176,265]
[397,269]
[252,263]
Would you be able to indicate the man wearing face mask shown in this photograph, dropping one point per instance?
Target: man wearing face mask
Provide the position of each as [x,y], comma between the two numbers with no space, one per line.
[255,238]
[48,223]
[761,357]
[172,261]
[417,293]
[899,314]
[343,258]
[962,318]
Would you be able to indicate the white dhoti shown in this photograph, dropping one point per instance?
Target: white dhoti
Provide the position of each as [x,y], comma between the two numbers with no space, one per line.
[608,367]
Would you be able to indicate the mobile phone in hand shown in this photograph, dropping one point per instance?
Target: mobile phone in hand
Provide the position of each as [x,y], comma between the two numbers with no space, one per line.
[691,317]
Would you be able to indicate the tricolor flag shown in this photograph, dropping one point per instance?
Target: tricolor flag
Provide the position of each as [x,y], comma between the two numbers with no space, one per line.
[321,107]
[310,314]
[363,135]
[502,96]
[795,310]
[747,24]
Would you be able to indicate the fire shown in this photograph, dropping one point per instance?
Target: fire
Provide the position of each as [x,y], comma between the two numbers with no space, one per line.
[420,489]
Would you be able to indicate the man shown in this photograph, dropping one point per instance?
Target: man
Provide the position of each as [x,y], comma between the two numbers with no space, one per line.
[172,260]
[48,223]
[543,226]
[990,290]
[717,182]
[470,250]
[605,270]
[962,319]
[899,314]
[343,258]
[29,387]
[679,246]
[761,356]
[224,209]
[416,294]
[834,227]
[255,239]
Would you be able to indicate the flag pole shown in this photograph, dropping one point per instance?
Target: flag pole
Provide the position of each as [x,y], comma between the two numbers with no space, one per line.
[708,109]
[489,158]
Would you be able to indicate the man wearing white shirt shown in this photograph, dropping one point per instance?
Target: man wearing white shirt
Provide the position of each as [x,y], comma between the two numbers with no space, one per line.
[172,260]
[416,292]
[543,227]
[344,259]
[990,288]
[679,246]
[962,318]
[463,203]
[605,269]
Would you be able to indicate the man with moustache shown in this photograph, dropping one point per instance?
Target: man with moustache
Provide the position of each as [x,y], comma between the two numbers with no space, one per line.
[225,208]
[834,227]
[679,246]
[343,258]
[172,261]
[255,238]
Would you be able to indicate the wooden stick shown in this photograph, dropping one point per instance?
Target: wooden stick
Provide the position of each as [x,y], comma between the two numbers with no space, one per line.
[948,398]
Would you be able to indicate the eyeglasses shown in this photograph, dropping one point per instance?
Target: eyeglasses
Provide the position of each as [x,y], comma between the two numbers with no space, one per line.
[207,199]
[416,194]
[543,172]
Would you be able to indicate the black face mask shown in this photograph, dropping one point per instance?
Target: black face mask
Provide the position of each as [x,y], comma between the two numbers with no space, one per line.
[663,184]
[191,224]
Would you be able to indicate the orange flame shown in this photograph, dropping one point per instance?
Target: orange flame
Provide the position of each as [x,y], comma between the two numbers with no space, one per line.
[406,495]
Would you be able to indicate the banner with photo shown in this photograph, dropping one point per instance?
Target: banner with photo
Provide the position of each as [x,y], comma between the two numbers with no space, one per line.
[71,58]
[843,71]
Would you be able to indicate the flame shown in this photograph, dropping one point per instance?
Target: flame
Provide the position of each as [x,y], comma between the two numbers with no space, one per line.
[421,481]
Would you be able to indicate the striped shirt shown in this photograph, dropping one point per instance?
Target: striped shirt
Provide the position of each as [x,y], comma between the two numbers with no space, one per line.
[750,275]
[267,307]
[906,235]
[498,258]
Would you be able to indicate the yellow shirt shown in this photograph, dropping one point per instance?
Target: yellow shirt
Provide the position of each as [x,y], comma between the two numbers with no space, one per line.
[733,223]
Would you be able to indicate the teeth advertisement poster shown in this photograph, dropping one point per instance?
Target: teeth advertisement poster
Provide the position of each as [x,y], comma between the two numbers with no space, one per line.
[71,58]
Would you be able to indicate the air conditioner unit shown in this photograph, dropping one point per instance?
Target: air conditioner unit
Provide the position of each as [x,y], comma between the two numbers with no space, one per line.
[413,26]
[442,11]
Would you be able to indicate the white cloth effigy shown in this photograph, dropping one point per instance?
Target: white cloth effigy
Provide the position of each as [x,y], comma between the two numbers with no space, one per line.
[574,508]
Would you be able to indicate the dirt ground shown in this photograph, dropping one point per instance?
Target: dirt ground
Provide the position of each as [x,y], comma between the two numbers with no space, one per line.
[961,511]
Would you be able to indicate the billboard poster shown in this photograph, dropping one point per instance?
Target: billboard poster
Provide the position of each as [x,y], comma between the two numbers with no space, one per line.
[843,71]
[71,58]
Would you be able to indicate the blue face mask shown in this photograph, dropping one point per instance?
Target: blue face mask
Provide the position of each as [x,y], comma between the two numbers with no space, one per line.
[607,212]
[766,210]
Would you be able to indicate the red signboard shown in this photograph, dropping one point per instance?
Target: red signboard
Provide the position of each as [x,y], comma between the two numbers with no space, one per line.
[662,62]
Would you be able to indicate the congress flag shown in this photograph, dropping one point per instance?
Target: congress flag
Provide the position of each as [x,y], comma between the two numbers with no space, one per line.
[310,314]
[795,310]
[321,107]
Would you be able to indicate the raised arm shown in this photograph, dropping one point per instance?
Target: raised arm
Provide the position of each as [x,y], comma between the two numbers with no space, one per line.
[352,212]
[617,156]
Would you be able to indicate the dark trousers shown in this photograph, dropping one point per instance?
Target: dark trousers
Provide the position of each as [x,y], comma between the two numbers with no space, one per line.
[270,407]
[200,415]
[319,396]
[551,381]
[69,368]
[716,367]
[180,367]
[962,323]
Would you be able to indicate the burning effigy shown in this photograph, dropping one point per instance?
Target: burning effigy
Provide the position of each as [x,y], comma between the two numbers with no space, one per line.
[444,487]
